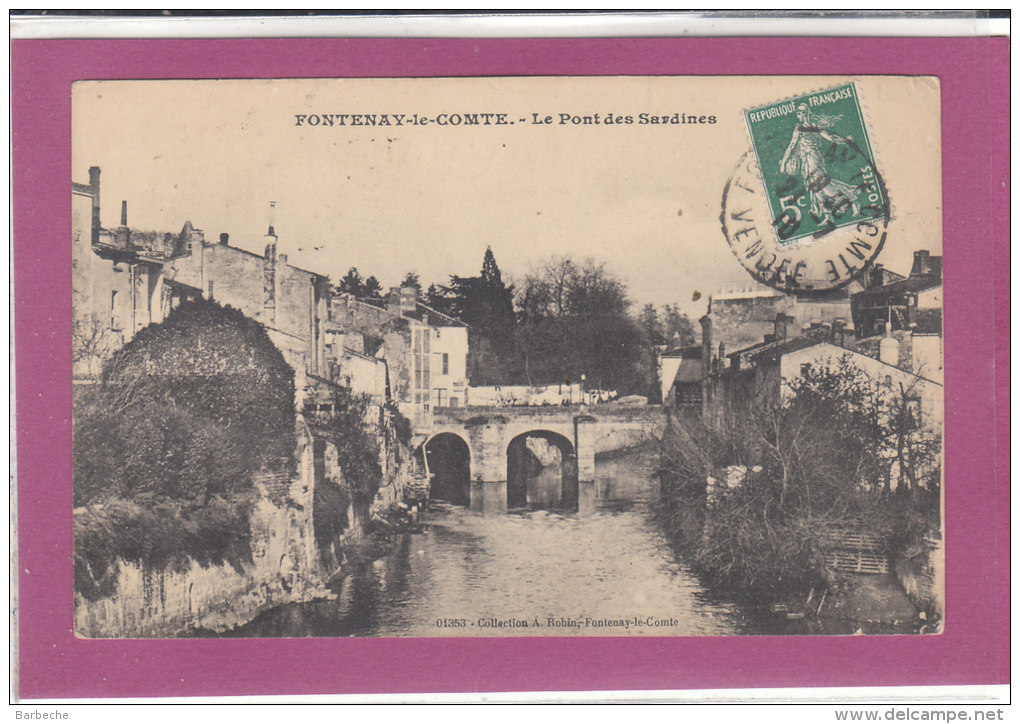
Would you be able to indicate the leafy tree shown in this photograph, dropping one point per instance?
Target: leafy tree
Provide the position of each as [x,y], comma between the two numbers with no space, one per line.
[353,428]
[678,329]
[190,407]
[167,446]
[573,320]
[484,302]
[650,325]
[811,467]
[436,297]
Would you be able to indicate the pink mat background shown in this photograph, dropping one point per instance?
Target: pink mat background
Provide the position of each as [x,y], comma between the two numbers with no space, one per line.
[975,646]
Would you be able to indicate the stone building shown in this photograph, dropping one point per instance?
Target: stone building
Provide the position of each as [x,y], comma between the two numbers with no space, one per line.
[116,278]
[757,376]
[897,301]
[680,377]
[425,350]
[124,279]
[741,319]
[291,303]
[907,309]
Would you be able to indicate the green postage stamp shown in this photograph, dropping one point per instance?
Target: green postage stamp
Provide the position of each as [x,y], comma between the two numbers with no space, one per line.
[816,163]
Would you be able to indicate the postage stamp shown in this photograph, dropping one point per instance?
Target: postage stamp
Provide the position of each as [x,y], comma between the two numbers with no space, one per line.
[816,163]
[806,210]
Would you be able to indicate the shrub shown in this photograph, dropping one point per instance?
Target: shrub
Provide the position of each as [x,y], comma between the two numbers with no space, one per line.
[159,534]
[811,468]
[166,446]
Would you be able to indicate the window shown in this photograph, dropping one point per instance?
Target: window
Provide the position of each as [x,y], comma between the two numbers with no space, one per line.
[446,363]
[114,317]
[441,397]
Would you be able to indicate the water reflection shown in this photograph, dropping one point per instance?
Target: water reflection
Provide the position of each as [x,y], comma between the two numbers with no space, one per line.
[529,572]
[534,572]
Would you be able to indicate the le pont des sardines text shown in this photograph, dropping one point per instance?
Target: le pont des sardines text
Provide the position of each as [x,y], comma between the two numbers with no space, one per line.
[391,120]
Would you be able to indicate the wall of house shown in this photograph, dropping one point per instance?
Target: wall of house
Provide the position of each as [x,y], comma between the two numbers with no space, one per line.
[739,321]
[929,394]
[363,375]
[453,343]
[233,275]
[380,328]
[667,369]
[114,295]
[930,298]
[869,347]
[926,356]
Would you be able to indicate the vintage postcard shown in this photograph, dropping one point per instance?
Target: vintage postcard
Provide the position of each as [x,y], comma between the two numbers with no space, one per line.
[508,356]
[367,366]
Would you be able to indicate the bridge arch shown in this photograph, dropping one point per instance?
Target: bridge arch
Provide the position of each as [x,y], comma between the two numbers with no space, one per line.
[541,470]
[447,457]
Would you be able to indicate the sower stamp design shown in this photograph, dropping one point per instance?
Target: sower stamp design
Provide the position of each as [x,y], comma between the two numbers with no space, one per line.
[816,163]
[806,209]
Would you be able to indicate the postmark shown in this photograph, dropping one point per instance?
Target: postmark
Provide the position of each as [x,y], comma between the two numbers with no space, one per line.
[806,209]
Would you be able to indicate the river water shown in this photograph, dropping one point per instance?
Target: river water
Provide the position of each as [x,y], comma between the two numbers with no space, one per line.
[533,573]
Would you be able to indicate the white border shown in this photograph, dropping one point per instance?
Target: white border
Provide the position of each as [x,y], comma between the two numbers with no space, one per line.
[510,25]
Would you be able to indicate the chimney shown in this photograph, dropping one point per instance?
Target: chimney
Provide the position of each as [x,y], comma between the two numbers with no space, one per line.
[225,239]
[393,301]
[781,325]
[408,299]
[272,219]
[922,264]
[875,276]
[706,345]
[122,235]
[839,332]
[269,280]
[94,185]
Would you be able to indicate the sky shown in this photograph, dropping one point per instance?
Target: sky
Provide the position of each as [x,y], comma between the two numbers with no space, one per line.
[644,199]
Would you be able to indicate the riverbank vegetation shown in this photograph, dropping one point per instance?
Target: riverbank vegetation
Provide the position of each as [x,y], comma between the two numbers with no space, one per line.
[168,442]
[352,427]
[760,504]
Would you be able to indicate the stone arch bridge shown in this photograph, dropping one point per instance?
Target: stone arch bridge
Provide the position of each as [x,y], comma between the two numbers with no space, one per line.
[578,431]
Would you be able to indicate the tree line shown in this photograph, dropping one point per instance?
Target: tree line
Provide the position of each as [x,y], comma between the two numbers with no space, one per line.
[567,320]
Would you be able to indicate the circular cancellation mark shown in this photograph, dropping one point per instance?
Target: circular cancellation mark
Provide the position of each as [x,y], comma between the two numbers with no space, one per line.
[815,240]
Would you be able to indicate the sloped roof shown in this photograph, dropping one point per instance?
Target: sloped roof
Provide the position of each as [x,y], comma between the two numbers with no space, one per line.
[910,285]
[689,352]
[774,350]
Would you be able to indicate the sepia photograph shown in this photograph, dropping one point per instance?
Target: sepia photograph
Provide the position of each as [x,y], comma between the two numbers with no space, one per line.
[634,356]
